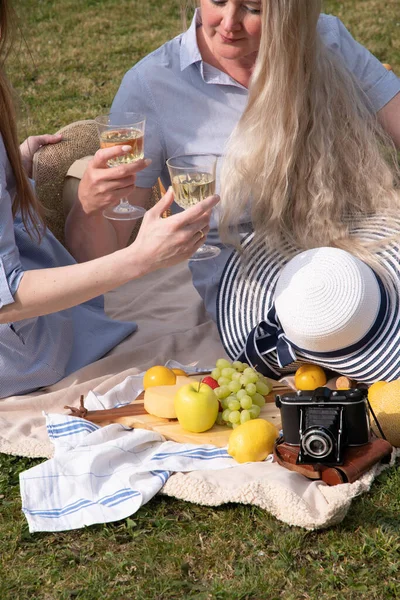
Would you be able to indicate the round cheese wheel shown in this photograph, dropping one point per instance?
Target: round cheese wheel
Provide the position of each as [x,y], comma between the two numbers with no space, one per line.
[159,400]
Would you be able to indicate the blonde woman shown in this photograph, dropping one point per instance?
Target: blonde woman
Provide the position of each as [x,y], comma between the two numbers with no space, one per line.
[52,319]
[324,162]
[194,90]
[321,184]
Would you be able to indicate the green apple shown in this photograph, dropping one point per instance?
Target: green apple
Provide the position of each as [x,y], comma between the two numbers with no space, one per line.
[196,407]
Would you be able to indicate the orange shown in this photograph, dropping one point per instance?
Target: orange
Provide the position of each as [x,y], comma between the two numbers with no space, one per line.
[158,376]
[385,402]
[179,372]
[374,391]
[309,377]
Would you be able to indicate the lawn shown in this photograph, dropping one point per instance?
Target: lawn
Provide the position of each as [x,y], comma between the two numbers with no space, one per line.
[67,65]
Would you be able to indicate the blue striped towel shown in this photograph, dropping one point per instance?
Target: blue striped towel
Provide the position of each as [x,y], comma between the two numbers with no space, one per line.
[104,474]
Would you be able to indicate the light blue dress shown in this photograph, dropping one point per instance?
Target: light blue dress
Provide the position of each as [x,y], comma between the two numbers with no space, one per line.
[39,351]
[192,107]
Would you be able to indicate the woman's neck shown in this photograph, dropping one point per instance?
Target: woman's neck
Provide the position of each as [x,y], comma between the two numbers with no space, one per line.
[240,70]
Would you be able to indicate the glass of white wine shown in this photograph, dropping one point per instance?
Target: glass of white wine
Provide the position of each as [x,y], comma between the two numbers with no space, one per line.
[122,129]
[193,179]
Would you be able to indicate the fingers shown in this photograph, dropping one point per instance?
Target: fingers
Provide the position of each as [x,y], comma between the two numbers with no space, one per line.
[102,156]
[48,138]
[192,220]
[199,241]
[106,187]
[102,186]
[201,234]
[191,214]
[196,217]
[162,205]
[34,142]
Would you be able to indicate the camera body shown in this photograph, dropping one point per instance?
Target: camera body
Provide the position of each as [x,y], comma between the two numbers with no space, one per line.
[324,422]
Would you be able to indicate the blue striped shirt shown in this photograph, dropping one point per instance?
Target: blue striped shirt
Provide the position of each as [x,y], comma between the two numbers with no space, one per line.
[192,107]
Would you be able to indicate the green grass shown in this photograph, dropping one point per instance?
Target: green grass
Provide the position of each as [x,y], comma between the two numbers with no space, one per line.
[68,66]
[71,55]
[172,549]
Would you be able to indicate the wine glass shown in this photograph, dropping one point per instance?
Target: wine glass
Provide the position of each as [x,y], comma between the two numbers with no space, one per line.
[193,179]
[122,129]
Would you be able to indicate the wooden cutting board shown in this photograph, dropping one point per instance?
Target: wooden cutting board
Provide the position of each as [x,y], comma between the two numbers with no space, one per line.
[171,430]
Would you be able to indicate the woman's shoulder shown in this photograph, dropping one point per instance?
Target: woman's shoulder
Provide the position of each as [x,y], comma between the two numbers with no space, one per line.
[329,24]
[337,37]
[332,31]
[166,56]
[378,84]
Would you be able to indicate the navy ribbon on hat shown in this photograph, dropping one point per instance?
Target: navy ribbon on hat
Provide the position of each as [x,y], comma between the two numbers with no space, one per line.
[266,337]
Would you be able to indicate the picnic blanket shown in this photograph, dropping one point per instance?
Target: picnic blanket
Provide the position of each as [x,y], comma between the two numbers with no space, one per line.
[102,474]
[172,325]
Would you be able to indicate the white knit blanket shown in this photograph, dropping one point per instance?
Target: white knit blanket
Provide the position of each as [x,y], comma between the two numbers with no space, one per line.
[102,474]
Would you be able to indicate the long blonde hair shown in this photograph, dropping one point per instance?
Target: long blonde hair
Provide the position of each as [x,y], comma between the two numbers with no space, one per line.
[308,149]
[25,200]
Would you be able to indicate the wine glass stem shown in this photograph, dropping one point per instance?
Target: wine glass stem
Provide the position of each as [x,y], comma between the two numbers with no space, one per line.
[124,203]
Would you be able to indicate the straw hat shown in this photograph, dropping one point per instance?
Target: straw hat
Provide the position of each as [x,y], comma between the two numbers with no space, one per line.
[51,164]
[322,306]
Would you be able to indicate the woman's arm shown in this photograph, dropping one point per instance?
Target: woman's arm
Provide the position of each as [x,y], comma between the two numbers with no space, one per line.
[381,86]
[160,243]
[89,237]
[88,233]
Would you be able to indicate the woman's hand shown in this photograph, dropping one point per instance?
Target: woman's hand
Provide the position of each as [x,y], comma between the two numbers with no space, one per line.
[32,144]
[166,242]
[102,186]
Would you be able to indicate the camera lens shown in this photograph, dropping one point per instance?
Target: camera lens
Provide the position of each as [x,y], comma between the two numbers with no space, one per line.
[317,443]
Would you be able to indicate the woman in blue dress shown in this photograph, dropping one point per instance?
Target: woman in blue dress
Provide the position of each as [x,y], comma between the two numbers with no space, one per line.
[52,319]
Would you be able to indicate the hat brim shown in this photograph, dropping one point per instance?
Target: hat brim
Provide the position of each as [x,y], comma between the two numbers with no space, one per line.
[51,164]
[246,294]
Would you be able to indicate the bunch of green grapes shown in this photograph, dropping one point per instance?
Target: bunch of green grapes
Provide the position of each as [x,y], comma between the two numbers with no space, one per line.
[241,392]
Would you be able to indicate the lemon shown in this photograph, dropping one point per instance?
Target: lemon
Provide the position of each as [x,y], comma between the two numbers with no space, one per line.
[385,402]
[252,441]
[158,375]
[309,377]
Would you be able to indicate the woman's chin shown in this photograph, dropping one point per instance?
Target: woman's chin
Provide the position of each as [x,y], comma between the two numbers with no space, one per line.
[231,52]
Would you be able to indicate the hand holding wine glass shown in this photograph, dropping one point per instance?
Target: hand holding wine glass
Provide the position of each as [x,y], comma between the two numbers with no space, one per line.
[164,242]
[122,129]
[193,180]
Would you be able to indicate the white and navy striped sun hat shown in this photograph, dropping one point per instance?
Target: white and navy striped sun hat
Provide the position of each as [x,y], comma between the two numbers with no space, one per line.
[322,306]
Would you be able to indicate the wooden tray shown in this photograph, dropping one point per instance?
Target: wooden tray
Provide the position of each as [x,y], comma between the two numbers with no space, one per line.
[170,428]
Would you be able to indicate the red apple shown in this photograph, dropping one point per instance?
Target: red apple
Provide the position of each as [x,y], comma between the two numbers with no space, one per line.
[213,383]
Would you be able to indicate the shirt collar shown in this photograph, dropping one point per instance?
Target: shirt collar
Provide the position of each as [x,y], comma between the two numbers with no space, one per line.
[189,52]
[190,55]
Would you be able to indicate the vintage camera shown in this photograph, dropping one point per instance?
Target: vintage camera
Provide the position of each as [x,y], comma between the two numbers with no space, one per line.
[324,422]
